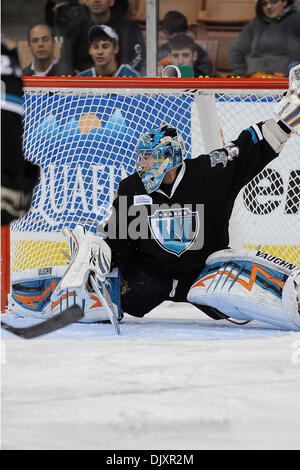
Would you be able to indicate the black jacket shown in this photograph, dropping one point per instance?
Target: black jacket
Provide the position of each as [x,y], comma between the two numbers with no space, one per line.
[54,71]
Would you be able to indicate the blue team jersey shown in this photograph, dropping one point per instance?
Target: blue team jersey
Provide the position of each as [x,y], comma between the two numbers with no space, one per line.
[123,71]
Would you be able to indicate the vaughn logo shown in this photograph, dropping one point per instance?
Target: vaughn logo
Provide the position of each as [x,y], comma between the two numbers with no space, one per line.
[45,271]
[175,230]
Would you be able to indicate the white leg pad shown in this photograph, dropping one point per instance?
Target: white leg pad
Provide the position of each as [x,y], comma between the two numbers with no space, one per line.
[250,287]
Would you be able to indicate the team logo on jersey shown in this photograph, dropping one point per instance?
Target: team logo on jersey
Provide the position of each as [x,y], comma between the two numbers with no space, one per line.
[175,230]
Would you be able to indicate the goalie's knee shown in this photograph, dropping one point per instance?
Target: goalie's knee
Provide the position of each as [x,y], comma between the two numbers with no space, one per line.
[134,305]
[143,291]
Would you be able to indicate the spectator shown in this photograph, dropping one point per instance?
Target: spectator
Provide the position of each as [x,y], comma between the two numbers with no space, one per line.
[182,51]
[59,13]
[75,52]
[41,43]
[103,48]
[175,23]
[270,42]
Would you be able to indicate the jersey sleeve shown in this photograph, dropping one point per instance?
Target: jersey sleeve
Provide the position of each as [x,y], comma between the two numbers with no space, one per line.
[241,160]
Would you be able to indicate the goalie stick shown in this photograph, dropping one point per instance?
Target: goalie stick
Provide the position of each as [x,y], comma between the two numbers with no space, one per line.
[65,318]
[106,303]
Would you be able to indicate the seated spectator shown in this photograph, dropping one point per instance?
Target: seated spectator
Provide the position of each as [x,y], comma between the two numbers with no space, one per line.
[104,48]
[41,43]
[182,51]
[175,23]
[270,42]
[75,52]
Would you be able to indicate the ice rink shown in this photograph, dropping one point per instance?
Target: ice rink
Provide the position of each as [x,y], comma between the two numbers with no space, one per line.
[173,380]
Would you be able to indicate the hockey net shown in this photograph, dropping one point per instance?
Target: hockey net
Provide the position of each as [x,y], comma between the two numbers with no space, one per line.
[83,132]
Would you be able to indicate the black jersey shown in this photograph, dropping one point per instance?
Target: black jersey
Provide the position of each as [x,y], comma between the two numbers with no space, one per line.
[16,172]
[180,228]
[12,160]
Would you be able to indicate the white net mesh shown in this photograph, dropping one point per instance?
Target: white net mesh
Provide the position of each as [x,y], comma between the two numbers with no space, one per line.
[84,141]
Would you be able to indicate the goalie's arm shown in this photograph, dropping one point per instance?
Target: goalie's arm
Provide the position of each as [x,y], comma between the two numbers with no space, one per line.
[261,143]
[242,159]
[269,137]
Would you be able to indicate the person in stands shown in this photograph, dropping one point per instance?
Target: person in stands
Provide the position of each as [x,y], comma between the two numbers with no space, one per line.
[41,43]
[183,51]
[103,48]
[75,50]
[175,23]
[270,42]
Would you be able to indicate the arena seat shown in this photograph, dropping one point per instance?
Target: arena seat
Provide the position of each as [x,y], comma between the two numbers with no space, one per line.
[189,8]
[225,15]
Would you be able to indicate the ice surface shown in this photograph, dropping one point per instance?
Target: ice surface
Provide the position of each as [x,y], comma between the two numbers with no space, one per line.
[173,380]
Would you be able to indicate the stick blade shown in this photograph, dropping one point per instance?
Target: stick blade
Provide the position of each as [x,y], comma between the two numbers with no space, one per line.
[65,318]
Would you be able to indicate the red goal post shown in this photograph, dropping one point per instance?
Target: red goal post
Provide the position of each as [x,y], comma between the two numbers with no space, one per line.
[83,131]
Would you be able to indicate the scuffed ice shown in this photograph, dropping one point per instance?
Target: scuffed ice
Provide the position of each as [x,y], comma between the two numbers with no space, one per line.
[173,380]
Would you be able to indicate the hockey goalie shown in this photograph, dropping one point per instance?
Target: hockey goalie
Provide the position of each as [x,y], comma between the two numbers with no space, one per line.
[166,235]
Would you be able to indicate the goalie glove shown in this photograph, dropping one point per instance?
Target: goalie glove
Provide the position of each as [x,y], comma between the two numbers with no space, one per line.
[90,254]
[288,109]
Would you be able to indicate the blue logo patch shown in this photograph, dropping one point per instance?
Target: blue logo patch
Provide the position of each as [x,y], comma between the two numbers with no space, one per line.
[175,230]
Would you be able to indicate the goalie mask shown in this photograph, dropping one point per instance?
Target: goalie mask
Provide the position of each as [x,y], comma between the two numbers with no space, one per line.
[158,151]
